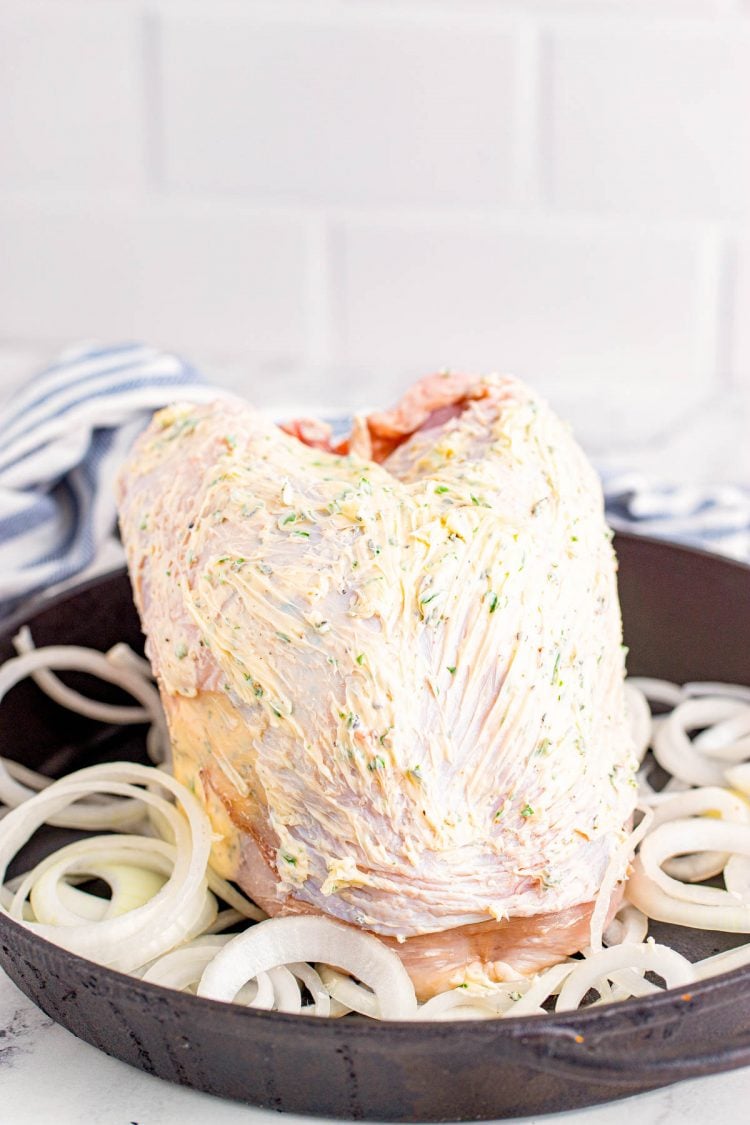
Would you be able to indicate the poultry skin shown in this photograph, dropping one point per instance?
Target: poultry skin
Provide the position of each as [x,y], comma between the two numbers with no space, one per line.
[392,668]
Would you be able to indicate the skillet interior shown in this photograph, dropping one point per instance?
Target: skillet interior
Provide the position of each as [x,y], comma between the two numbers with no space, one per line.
[687,616]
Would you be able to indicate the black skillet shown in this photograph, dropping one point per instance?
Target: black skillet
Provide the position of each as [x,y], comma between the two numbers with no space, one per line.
[687,617]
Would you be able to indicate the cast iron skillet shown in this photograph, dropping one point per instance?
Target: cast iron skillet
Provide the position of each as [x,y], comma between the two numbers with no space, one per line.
[687,616]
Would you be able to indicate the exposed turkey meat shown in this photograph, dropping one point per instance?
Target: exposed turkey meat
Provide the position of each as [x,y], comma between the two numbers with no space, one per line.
[397,686]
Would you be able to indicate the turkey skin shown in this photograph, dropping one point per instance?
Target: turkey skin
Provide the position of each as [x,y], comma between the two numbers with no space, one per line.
[392,667]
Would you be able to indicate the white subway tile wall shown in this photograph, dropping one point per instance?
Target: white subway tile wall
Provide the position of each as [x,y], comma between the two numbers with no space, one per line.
[320,199]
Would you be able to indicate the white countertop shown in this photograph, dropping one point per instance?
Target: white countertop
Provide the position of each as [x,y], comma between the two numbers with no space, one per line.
[48,1077]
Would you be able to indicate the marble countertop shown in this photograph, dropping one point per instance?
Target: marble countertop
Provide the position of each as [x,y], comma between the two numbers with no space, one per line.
[48,1076]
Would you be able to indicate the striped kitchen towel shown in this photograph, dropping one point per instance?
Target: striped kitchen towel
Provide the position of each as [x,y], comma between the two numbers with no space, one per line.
[62,438]
[64,435]
[715,517]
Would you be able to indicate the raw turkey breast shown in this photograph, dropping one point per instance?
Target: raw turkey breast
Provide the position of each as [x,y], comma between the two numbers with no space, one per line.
[392,669]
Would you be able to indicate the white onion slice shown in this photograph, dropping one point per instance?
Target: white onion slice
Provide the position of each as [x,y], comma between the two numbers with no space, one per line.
[22,773]
[711,801]
[729,741]
[184,967]
[279,941]
[307,975]
[693,835]
[674,968]
[628,925]
[122,656]
[347,992]
[675,752]
[173,913]
[614,873]
[131,887]
[657,691]
[737,877]
[639,717]
[67,697]
[542,987]
[457,1004]
[739,778]
[286,993]
[116,815]
[723,962]
[729,691]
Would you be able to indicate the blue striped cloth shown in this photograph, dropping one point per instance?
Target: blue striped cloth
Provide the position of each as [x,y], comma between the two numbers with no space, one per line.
[62,439]
[63,436]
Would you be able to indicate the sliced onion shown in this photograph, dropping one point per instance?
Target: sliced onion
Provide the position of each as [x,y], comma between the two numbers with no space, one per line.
[614,873]
[286,993]
[729,741]
[675,752]
[131,886]
[728,691]
[347,992]
[67,697]
[22,773]
[122,656]
[542,987]
[737,877]
[13,793]
[698,834]
[723,962]
[639,717]
[711,801]
[628,925]
[279,941]
[173,913]
[184,967]
[321,1005]
[739,778]
[683,907]
[673,967]
[657,691]
[457,1004]
[224,920]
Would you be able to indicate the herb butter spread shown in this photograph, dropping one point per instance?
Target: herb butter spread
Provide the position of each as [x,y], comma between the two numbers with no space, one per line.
[397,686]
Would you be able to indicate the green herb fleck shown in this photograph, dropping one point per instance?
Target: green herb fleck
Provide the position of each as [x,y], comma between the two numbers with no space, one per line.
[527,811]
[376,763]
[441,488]
[290,859]
[181,651]
[284,637]
[452,669]
[361,658]
[556,667]
[493,602]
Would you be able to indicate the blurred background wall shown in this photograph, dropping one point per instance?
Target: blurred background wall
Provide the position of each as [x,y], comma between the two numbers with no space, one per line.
[318,200]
